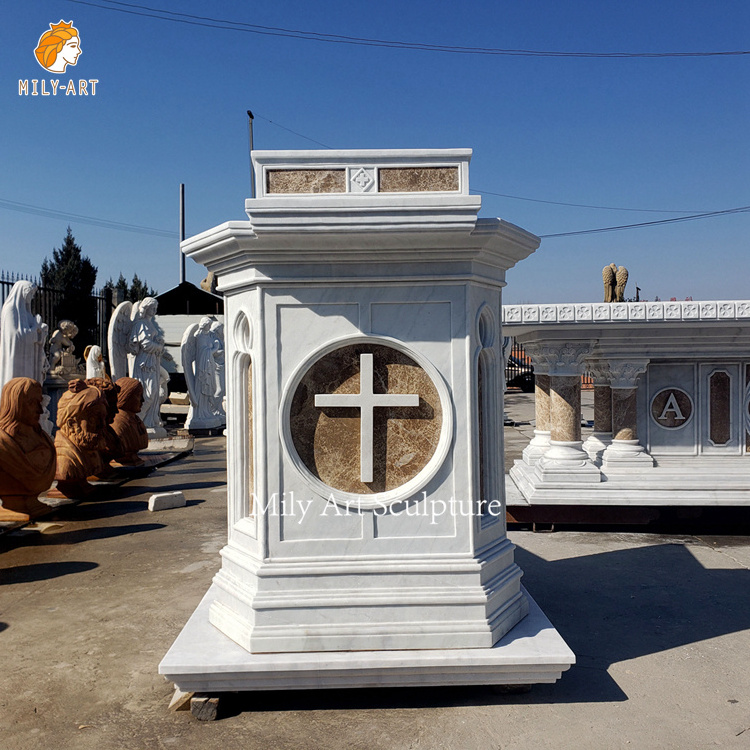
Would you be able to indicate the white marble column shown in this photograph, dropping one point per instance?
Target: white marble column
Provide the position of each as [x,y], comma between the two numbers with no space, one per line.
[625,451]
[565,460]
[540,442]
[601,437]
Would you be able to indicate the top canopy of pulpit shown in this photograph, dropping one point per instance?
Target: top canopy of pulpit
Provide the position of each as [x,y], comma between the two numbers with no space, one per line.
[385,205]
[314,191]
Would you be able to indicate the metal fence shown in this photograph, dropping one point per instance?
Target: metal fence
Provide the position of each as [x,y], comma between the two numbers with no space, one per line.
[46,302]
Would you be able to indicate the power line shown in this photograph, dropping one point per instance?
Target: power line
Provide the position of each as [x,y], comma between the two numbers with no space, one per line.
[51,213]
[229,25]
[586,205]
[706,215]
[505,195]
[289,130]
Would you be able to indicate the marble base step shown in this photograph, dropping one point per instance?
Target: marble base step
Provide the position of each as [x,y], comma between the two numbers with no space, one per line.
[204,660]
[718,485]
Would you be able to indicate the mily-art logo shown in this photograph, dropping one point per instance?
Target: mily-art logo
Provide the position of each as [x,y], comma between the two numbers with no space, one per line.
[57,48]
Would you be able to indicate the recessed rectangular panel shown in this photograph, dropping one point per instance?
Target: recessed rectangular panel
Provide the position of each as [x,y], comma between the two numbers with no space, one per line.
[671,409]
[721,430]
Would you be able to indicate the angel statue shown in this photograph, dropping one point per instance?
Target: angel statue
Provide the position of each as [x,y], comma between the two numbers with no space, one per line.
[217,329]
[202,375]
[136,346]
[615,280]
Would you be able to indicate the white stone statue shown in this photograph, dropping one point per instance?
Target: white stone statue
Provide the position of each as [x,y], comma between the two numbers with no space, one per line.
[136,346]
[95,363]
[202,375]
[63,364]
[22,337]
[217,329]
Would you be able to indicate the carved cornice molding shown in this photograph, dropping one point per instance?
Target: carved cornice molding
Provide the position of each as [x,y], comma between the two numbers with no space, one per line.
[631,312]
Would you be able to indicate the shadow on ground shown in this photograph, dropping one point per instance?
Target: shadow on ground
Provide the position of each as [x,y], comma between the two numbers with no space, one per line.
[43,572]
[76,536]
[616,606]
[609,607]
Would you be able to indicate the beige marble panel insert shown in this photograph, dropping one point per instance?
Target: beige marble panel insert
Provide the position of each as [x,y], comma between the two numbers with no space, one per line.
[306,181]
[418,179]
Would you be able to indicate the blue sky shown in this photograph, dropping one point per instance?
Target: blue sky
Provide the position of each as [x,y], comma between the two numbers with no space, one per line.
[667,133]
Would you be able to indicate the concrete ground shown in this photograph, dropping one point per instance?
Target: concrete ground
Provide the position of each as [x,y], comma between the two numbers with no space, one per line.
[660,624]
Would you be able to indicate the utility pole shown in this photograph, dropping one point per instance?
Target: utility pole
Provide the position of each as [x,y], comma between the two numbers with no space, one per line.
[182,232]
[252,171]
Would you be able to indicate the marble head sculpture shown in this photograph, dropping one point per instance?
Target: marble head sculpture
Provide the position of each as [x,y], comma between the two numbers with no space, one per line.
[128,426]
[80,439]
[27,454]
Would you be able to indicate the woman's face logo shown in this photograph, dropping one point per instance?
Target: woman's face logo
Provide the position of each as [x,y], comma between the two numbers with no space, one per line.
[70,51]
[58,47]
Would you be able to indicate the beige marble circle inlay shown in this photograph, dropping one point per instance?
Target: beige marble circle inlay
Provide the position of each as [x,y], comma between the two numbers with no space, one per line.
[328,439]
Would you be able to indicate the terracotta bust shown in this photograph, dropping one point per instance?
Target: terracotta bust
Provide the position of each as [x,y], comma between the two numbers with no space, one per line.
[80,439]
[127,424]
[113,448]
[27,454]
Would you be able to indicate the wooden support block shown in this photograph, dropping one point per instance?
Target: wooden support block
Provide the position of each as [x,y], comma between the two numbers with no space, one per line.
[204,707]
[180,700]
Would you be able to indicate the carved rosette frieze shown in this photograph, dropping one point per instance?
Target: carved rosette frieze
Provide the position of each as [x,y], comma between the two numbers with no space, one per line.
[625,373]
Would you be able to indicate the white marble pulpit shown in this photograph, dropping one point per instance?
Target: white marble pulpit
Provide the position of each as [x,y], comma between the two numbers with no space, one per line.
[364,435]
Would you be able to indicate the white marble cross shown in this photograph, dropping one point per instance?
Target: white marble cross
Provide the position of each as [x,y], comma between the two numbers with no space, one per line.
[366,401]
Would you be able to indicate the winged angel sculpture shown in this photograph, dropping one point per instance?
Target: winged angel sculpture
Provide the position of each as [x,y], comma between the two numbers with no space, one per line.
[615,280]
[202,353]
[136,346]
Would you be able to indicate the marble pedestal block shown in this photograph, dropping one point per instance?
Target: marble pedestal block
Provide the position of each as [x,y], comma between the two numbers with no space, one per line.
[363,349]
[204,660]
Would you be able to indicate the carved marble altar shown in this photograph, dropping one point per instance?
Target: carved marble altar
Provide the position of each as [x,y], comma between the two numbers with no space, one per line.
[27,454]
[365,493]
[671,402]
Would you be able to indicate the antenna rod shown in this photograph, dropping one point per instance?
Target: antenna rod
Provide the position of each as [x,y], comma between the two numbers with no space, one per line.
[182,232]
[250,119]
